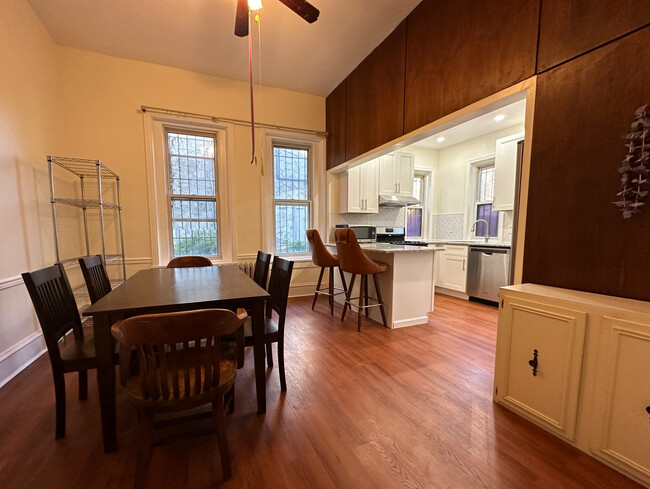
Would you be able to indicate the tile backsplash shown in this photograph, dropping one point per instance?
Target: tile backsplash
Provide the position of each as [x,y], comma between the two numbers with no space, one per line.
[448,226]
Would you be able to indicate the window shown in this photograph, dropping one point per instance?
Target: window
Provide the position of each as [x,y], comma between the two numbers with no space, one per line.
[192,194]
[415,213]
[484,195]
[291,198]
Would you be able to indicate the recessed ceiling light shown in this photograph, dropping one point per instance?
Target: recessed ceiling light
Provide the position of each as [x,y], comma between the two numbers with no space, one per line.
[440,139]
[254,4]
[499,117]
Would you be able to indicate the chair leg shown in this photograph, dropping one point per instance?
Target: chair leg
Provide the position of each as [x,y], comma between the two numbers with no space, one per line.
[347,297]
[222,439]
[229,400]
[240,344]
[331,290]
[320,278]
[381,302]
[269,355]
[361,292]
[83,385]
[345,287]
[59,396]
[144,450]
[283,379]
[365,287]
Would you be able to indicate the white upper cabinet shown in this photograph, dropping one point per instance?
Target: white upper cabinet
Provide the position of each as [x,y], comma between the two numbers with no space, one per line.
[359,189]
[396,171]
[505,166]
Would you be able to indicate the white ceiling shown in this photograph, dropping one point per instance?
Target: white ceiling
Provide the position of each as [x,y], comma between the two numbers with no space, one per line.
[513,114]
[198,35]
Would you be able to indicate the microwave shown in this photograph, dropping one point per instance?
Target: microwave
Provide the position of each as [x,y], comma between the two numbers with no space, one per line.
[365,234]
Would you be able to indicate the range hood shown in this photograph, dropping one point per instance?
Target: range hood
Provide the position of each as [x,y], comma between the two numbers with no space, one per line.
[387,200]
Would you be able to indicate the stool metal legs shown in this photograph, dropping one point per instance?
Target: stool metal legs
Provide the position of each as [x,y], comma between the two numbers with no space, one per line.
[363,299]
[330,288]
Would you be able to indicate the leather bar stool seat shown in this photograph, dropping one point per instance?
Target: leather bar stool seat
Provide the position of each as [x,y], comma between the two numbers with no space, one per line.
[324,259]
[353,260]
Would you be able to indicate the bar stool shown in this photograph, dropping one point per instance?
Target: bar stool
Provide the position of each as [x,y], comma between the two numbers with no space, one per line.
[324,259]
[353,260]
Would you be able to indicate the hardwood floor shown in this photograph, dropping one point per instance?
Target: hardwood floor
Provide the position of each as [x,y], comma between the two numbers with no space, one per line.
[409,408]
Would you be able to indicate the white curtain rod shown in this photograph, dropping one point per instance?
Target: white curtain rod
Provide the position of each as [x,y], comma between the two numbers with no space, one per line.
[145,108]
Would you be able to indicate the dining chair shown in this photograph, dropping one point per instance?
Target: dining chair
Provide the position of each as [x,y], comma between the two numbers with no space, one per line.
[57,313]
[274,331]
[324,259]
[353,260]
[95,276]
[189,261]
[182,366]
[261,272]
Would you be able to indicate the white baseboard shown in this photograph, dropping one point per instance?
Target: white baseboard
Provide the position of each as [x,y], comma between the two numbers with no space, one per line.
[402,323]
[18,357]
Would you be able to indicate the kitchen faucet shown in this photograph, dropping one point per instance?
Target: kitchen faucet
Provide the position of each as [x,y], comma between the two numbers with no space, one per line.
[487,228]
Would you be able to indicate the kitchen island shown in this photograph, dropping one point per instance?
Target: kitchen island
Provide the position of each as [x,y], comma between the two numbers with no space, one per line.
[407,287]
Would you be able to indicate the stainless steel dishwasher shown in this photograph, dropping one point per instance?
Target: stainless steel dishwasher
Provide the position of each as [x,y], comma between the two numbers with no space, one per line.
[488,269]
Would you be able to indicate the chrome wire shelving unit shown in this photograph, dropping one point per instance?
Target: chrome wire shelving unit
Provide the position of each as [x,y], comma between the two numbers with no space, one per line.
[87,181]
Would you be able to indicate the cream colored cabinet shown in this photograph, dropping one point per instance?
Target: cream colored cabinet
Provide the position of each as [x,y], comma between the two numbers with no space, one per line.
[358,190]
[396,172]
[452,268]
[541,362]
[505,168]
[622,398]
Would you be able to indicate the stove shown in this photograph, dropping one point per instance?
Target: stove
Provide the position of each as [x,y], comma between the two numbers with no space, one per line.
[396,236]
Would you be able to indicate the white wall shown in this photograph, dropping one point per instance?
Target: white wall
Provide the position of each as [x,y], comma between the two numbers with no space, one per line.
[68,102]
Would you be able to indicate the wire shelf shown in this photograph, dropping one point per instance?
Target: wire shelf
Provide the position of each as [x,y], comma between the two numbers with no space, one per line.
[74,261]
[83,168]
[86,203]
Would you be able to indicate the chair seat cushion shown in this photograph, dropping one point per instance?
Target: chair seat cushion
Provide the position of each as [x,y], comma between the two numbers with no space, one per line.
[82,354]
[270,328]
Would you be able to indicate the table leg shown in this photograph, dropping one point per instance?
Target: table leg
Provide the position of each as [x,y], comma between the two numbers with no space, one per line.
[106,380]
[258,352]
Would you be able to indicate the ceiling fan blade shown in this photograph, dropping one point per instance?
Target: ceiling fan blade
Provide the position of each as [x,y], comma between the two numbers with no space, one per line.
[241,18]
[304,9]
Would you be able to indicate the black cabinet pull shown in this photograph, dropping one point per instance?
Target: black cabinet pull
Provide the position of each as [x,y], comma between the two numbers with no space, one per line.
[647,409]
[533,363]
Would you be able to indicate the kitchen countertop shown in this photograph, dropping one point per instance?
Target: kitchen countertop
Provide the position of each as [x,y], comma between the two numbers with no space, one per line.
[493,244]
[391,248]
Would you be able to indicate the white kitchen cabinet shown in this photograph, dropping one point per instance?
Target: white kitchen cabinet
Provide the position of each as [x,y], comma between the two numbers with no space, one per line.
[396,172]
[505,167]
[592,386]
[541,362]
[358,190]
[622,399]
[452,268]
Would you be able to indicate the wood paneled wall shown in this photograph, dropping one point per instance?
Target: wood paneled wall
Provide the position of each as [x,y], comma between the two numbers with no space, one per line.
[575,237]
[572,27]
[335,123]
[462,51]
[374,105]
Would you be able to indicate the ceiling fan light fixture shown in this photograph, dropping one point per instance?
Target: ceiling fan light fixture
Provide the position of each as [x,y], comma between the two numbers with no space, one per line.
[254,4]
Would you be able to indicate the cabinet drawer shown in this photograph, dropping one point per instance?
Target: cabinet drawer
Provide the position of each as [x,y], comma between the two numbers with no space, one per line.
[622,397]
[456,250]
[545,392]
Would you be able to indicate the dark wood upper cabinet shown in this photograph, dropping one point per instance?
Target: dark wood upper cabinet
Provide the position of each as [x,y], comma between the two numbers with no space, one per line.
[572,27]
[462,51]
[335,126]
[374,105]
[575,237]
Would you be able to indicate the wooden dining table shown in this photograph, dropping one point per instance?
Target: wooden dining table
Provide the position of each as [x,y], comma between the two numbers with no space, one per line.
[160,290]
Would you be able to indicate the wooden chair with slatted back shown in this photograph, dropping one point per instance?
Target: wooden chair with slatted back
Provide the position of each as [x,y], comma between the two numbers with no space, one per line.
[57,314]
[189,261]
[274,332]
[182,366]
[261,272]
[95,276]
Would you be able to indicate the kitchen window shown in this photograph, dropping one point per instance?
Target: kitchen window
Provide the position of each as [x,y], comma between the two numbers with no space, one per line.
[415,218]
[484,194]
[292,198]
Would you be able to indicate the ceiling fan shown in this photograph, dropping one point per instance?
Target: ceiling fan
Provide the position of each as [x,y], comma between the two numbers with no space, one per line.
[303,8]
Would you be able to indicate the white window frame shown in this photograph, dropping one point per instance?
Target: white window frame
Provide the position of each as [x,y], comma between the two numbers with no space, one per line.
[472,197]
[426,204]
[156,156]
[318,208]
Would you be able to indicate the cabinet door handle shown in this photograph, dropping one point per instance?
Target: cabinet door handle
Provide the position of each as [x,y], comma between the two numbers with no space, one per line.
[463,264]
[647,409]
[533,362]
[399,187]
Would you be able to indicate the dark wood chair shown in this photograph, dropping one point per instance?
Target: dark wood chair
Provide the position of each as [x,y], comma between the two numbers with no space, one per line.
[57,314]
[353,260]
[182,366]
[189,261]
[324,259]
[274,332]
[261,272]
[95,276]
